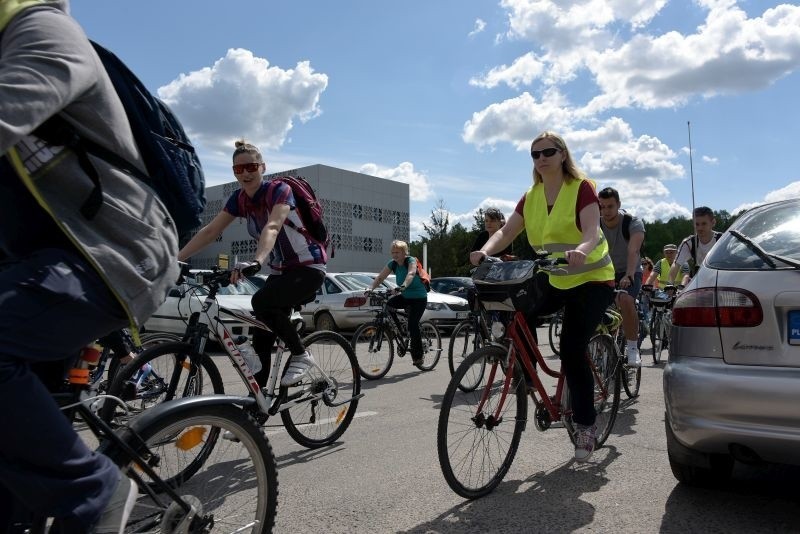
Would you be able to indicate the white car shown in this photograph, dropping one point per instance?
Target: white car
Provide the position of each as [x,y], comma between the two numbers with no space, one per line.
[445,311]
[340,303]
[182,300]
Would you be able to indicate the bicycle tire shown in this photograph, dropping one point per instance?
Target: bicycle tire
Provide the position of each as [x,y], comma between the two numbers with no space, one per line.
[657,336]
[604,359]
[631,379]
[464,341]
[167,361]
[319,422]
[154,338]
[431,345]
[374,350]
[554,333]
[229,466]
[469,450]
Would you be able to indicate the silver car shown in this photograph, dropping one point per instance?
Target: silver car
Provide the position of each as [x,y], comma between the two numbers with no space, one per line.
[340,303]
[732,381]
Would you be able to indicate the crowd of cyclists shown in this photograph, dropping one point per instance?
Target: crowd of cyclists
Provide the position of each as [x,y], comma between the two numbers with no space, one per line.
[87,280]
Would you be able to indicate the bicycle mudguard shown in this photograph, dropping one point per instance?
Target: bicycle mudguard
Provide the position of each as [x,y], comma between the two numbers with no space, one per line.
[181,405]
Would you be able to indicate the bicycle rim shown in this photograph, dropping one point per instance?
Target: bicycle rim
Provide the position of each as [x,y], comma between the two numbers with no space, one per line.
[374,351]
[236,487]
[431,345]
[321,418]
[171,375]
[474,452]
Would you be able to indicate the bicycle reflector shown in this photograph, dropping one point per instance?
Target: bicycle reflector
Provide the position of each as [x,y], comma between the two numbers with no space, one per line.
[723,307]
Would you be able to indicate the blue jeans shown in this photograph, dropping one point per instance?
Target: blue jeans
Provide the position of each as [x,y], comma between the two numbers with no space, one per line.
[52,303]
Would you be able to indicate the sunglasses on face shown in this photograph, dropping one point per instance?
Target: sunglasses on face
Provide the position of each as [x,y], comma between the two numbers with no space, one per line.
[239,168]
[547,152]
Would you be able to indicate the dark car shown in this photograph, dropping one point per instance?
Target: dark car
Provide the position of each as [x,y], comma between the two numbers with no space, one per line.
[732,382]
[453,285]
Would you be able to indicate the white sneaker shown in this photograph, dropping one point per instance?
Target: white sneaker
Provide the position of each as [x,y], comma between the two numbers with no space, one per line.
[298,368]
[634,358]
[116,513]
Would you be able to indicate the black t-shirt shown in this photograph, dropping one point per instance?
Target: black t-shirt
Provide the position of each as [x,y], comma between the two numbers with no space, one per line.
[481,240]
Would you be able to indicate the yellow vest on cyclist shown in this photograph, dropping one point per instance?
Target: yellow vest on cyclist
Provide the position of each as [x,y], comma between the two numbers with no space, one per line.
[663,276]
[558,233]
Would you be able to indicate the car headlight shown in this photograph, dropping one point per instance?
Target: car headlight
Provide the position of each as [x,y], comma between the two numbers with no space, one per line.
[435,306]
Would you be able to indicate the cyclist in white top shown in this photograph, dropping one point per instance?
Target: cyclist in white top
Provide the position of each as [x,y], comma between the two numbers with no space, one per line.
[693,250]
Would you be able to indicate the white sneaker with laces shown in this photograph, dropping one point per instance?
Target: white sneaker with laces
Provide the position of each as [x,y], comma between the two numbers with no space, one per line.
[585,442]
[634,358]
[298,368]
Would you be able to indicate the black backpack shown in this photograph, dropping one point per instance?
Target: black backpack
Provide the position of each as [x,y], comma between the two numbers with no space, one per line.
[693,267]
[626,227]
[173,167]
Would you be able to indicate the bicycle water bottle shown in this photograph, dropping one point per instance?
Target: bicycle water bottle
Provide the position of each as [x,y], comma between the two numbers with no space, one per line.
[89,357]
[144,372]
[250,356]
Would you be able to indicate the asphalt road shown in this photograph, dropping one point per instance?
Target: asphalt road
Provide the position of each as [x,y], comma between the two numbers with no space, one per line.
[384,475]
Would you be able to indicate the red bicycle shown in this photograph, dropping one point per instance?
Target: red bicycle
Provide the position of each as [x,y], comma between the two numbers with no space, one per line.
[479,429]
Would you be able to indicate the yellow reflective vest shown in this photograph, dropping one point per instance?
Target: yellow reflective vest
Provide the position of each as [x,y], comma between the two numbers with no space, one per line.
[663,276]
[557,232]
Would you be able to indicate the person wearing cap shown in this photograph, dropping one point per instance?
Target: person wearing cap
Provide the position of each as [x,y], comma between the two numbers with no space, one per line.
[660,275]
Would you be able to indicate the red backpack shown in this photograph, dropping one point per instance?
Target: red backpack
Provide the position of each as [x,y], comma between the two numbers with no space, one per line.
[309,209]
[421,272]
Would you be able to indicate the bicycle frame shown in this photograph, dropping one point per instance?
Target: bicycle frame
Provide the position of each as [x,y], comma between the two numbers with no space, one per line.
[520,349]
[395,327]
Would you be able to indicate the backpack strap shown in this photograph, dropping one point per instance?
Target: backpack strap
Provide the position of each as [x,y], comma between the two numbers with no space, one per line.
[626,226]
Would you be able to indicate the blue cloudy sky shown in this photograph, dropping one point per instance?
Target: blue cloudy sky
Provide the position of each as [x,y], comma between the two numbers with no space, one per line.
[446,95]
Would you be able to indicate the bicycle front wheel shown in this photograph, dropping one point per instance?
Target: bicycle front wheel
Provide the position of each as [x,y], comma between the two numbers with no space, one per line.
[464,341]
[605,364]
[374,350]
[657,336]
[431,345]
[476,445]
[163,372]
[322,405]
[234,490]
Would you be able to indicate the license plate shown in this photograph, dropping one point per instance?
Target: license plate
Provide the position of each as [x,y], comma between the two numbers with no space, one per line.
[464,315]
[794,327]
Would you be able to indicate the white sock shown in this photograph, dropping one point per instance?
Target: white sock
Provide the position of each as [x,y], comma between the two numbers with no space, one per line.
[632,344]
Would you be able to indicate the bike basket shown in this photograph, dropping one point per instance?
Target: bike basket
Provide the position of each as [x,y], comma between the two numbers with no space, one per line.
[507,286]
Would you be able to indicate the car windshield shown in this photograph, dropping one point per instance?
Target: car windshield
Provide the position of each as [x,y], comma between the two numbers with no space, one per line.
[244,287]
[766,239]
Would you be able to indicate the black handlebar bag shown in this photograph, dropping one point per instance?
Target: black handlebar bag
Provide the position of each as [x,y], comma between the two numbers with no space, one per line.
[509,285]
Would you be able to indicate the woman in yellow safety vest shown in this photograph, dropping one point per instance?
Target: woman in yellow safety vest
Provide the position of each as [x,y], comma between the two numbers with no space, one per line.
[561,214]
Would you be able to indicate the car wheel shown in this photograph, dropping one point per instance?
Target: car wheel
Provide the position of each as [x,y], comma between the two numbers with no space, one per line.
[717,474]
[324,321]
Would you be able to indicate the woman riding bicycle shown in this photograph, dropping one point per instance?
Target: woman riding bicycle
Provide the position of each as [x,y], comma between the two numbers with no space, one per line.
[561,214]
[413,294]
[296,263]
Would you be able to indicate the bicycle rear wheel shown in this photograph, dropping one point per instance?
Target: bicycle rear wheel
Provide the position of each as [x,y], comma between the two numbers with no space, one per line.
[464,341]
[163,372]
[323,408]
[631,378]
[374,350]
[476,448]
[235,488]
[431,345]
[657,336]
[605,365]
[554,333]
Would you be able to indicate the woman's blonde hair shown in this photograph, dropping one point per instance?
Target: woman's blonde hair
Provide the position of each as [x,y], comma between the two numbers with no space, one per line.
[243,147]
[571,171]
[402,245]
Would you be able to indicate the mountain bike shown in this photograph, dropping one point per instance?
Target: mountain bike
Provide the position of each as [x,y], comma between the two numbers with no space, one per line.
[479,431]
[189,480]
[374,342]
[315,412]
[611,325]
[660,318]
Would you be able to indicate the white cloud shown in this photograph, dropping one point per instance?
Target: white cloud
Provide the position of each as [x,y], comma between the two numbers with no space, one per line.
[480,25]
[792,190]
[729,54]
[711,160]
[241,95]
[419,185]
[523,71]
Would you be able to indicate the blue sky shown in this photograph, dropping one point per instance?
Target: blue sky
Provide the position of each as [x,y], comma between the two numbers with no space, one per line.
[446,95]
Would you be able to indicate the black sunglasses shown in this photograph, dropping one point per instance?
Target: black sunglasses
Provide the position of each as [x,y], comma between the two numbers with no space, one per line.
[547,152]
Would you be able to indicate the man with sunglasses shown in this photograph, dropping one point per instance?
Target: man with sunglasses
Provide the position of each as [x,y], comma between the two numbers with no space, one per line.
[625,254]
[694,249]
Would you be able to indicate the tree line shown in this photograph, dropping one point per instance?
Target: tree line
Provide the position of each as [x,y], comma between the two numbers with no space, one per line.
[449,246]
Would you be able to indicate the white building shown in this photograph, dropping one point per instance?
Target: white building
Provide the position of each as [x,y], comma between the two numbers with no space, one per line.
[363,214]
